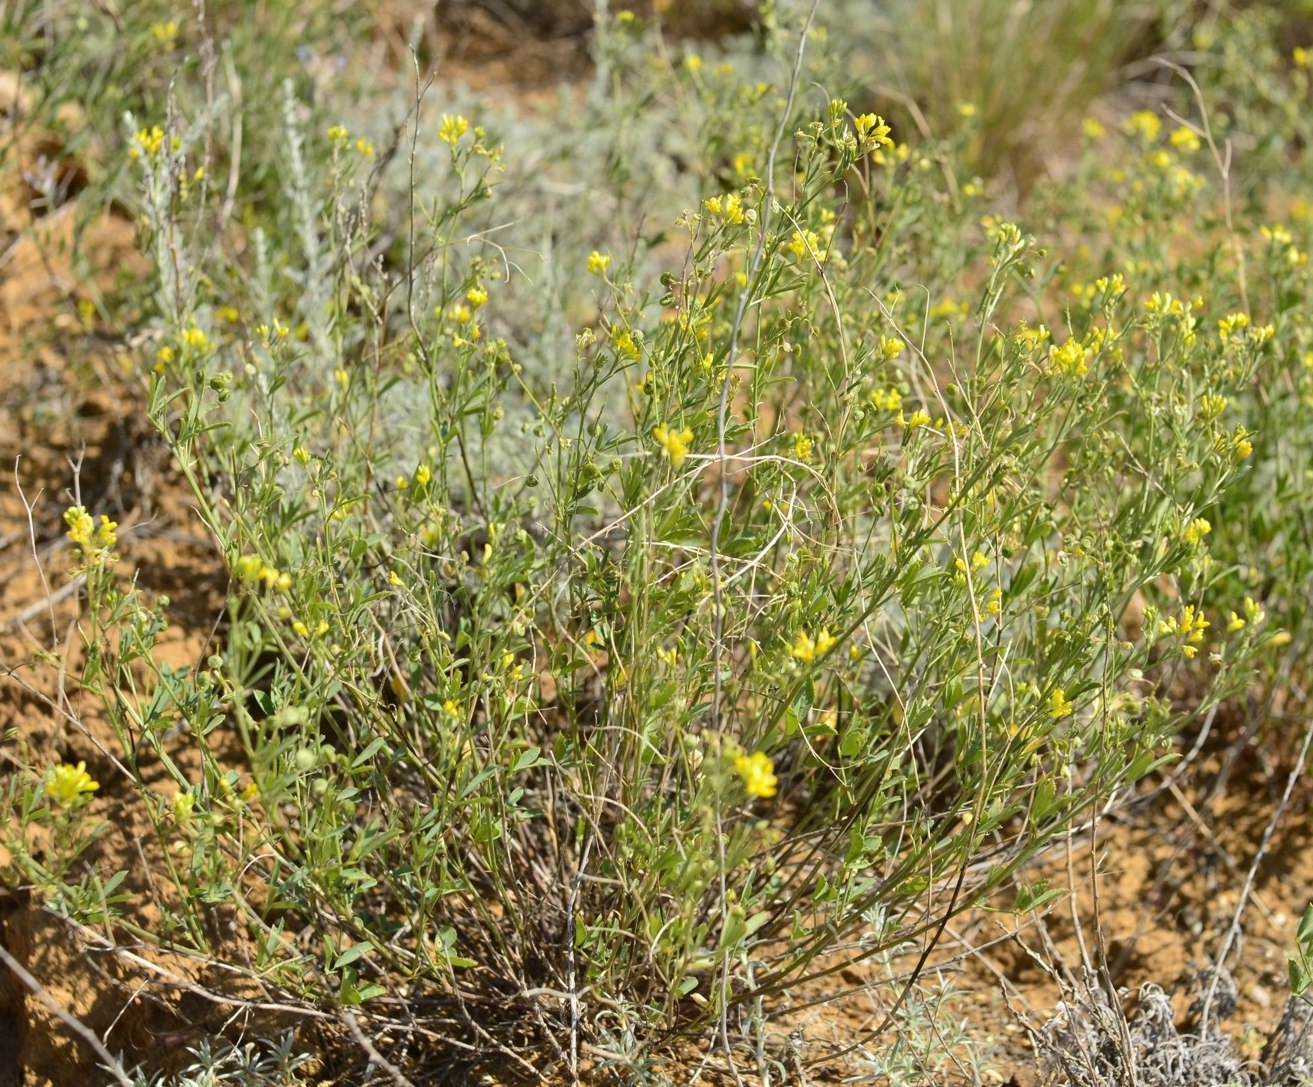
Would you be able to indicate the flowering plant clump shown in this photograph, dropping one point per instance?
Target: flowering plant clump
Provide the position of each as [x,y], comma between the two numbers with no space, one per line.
[584,487]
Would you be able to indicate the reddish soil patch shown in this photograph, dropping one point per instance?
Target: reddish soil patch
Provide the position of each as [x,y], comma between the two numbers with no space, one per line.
[72,429]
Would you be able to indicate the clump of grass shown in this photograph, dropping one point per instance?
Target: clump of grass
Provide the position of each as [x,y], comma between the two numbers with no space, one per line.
[968,70]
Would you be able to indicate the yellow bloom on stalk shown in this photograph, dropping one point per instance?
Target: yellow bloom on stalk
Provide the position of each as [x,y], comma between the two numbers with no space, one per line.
[1060,705]
[1190,626]
[96,543]
[758,773]
[625,345]
[890,347]
[147,142]
[1070,358]
[674,443]
[804,243]
[337,133]
[886,399]
[453,128]
[802,447]
[727,208]
[1145,125]
[66,784]
[598,263]
[807,649]
[1185,139]
[1196,530]
[872,131]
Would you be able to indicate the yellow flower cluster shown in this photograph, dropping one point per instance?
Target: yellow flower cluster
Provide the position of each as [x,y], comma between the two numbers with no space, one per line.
[97,542]
[890,347]
[727,208]
[1071,358]
[147,141]
[1060,705]
[66,785]
[674,443]
[886,399]
[252,570]
[598,263]
[1185,139]
[758,773]
[805,243]
[872,132]
[452,129]
[1144,125]
[625,344]
[1190,626]
[1196,530]
[807,649]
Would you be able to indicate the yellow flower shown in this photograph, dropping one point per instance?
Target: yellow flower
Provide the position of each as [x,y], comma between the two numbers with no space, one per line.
[625,345]
[886,399]
[96,543]
[476,296]
[805,243]
[1093,129]
[807,649]
[890,347]
[1236,623]
[1144,125]
[80,526]
[727,208]
[674,443]
[365,148]
[1070,359]
[802,447]
[758,773]
[598,262]
[1184,139]
[1302,57]
[1197,529]
[338,134]
[453,128]
[194,338]
[872,131]
[65,784]
[147,142]
[1060,705]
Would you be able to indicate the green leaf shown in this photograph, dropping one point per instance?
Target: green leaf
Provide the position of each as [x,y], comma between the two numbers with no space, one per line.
[527,760]
[352,953]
